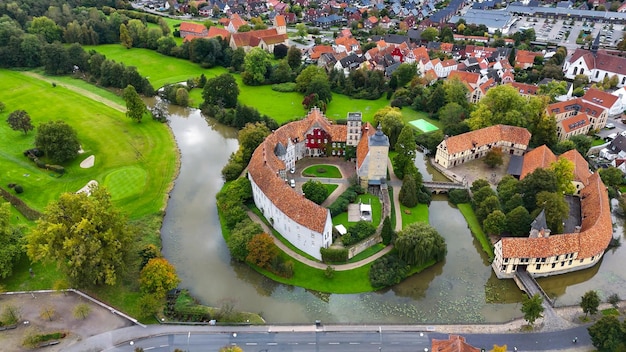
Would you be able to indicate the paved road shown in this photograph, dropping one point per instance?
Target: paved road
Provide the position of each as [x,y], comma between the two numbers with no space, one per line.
[324,338]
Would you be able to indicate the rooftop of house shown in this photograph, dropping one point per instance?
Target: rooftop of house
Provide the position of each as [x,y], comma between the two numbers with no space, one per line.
[523,88]
[598,97]
[543,157]
[484,136]
[454,343]
[195,28]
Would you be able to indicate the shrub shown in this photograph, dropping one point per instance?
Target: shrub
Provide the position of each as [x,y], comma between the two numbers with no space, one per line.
[358,232]
[18,189]
[458,196]
[56,168]
[334,255]
[388,270]
[284,87]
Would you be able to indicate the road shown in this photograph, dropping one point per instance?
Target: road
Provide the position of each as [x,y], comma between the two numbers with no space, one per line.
[357,340]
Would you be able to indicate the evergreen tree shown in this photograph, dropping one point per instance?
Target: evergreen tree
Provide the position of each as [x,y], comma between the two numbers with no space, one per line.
[408,192]
[387,232]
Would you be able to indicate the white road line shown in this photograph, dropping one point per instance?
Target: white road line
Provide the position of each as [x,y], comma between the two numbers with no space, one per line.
[251,343]
[272,343]
[355,343]
[148,348]
[311,343]
[333,343]
[292,343]
[164,346]
[374,343]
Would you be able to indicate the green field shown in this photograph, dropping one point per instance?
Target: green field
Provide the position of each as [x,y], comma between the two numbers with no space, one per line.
[366,199]
[322,170]
[418,213]
[115,140]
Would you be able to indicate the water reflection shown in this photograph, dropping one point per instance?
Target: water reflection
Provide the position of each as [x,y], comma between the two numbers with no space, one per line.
[460,289]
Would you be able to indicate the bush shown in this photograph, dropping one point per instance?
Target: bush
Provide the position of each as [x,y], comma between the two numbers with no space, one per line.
[388,270]
[18,189]
[56,168]
[358,232]
[284,87]
[459,196]
[334,255]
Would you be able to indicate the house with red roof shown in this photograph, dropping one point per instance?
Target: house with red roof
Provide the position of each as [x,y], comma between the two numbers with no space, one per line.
[596,114]
[607,100]
[543,253]
[454,343]
[525,90]
[525,59]
[303,223]
[459,149]
[193,30]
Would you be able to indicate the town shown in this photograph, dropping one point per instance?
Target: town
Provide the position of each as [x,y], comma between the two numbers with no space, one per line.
[325,109]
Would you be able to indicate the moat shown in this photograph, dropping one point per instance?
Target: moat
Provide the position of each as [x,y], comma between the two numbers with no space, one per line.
[460,289]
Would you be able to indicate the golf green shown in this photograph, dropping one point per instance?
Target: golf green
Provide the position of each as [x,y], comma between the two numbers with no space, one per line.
[125,182]
[424,125]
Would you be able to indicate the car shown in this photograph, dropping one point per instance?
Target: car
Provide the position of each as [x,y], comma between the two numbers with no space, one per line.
[292,183]
[292,170]
[609,126]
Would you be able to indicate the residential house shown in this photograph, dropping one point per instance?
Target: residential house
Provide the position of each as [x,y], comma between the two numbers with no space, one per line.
[456,150]
[443,68]
[525,59]
[266,39]
[524,89]
[596,114]
[607,100]
[235,22]
[596,64]
[192,30]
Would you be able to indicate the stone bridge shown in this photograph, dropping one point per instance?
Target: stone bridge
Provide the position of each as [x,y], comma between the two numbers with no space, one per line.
[443,187]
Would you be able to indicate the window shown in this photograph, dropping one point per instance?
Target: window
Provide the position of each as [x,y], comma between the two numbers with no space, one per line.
[543,260]
[506,260]
[319,140]
[570,262]
[503,268]
[553,265]
[562,264]
[325,140]
[538,267]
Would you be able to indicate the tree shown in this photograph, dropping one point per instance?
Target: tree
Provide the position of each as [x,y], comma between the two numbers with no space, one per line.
[256,65]
[329,273]
[301,30]
[590,302]
[294,58]
[405,73]
[315,191]
[19,120]
[494,157]
[535,182]
[11,243]
[612,176]
[48,312]
[182,97]
[419,243]
[406,148]
[390,120]
[497,348]
[456,92]
[231,349]
[429,34]
[387,233]
[280,51]
[135,107]
[240,235]
[125,38]
[262,251]
[452,116]
[408,192]
[282,73]
[495,223]
[436,100]
[307,75]
[518,222]
[606,334]
[321,87]
[564,146]
[221,90]
[10,315]
[478,184]
[46,29]
[553,89]
[58,141]
[81,311]
[556,209]
[532,308]
[250,137]
[583,143]
[86,235]
[563,170]
[544,131]
[158,277]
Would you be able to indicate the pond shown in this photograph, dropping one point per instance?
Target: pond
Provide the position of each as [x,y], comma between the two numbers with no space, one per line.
[460,289]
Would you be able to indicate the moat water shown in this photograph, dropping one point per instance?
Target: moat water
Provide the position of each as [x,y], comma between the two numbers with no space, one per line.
[460,289]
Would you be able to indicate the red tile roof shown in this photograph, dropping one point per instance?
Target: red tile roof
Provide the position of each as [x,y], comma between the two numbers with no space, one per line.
[363,147]
[265,165]
[540,157]
[593,239]
[488,135]
[574,123]
[581,166]
[523,88]
[195,28]
[454,343]
[598,97]
[469,78]
[218,32]
[280,20]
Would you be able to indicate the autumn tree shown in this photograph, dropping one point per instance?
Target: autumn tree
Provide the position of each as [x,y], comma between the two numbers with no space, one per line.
[563,170]
[262,251]
[85,235]
[158,277]
[494,157]
[240,235]
[221,90]
[590,302]
[532,307]
[19,120]
[57,140]
[135,107]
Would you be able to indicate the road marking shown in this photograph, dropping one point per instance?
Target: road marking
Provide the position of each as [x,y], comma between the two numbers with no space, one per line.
[148,348]
[355,343]
[333,343]
[163,345]
[251,343]
[374,343]
[292,343]
[272,343]
[311,343]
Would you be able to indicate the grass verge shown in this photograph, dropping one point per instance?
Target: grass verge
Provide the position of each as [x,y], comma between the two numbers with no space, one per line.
[418,213]
[476,229]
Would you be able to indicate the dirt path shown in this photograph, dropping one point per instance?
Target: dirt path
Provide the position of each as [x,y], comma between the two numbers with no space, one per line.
[80,91]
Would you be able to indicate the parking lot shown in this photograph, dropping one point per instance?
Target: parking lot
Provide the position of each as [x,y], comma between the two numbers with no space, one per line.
[565,32]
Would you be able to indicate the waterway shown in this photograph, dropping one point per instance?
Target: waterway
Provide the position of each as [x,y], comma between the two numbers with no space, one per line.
[460,289]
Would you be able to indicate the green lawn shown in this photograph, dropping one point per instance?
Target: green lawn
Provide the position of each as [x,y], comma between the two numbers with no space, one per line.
[476,229]
[364,198]
[418,213]
[330,188]
[322,170]
[146,146]
[126,153]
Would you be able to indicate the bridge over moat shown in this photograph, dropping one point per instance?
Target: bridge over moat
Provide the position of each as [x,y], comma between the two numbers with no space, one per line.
[443,187]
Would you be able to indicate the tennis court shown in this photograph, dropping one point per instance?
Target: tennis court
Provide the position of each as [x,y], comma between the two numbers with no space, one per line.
[424,125]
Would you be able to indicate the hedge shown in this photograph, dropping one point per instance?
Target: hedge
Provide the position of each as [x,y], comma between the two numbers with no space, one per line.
[334,255]
[28,212]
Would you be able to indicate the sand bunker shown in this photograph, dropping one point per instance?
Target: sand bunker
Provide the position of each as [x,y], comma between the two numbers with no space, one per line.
[87,188]
[87,163]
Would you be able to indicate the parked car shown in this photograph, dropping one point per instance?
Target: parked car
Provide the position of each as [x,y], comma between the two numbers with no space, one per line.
[292,183]
[292,170]
[609,126]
